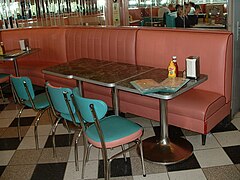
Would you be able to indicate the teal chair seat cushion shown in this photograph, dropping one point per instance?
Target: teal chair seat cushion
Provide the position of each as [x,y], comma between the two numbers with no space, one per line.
[116,131]
[40,101]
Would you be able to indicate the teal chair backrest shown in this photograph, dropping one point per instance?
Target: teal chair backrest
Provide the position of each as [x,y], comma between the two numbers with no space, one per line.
[83,105]
[18,84]
[56,95]
[170,20]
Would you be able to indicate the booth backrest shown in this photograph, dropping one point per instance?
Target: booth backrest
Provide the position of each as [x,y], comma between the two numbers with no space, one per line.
[50,41]
[113,44]
[213,47]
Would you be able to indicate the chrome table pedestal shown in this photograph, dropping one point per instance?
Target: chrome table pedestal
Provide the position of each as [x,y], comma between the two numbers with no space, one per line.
[163,150]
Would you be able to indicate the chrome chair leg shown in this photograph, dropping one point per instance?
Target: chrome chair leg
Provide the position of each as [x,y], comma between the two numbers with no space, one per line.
[88,151]
[53,136]
[50,115]
[106,164]
[69,132]
[124,154]
[39,115]
[85,153]
[19,127]
[1,92]
[76,150]
[141,156]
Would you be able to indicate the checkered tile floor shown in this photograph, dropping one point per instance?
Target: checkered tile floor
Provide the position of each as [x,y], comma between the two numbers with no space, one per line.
[219,159]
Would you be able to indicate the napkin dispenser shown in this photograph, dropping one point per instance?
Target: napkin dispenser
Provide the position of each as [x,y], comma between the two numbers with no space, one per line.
[192,67]
[24,44]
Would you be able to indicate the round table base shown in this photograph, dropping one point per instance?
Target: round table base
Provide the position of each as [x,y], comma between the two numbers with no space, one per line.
[175,151]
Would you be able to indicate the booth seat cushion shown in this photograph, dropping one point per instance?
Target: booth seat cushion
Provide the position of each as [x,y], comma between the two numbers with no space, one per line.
[139,105]
[197,104]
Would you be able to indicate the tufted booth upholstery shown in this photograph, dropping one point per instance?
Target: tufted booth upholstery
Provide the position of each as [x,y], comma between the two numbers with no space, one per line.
[199,109]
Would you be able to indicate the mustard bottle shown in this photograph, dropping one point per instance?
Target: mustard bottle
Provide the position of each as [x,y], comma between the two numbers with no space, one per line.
[171,70]
[2,49]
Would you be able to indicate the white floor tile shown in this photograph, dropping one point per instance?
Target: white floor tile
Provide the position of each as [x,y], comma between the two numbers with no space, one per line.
[111,152]
[10,114]
[61,129]
[43,130]
[162,176]
[144,122]
[236,122]
[187,175]
[91,170]
[212,157]
[28,142]
[196,141]
[94,154]
[237,115]
[71,173]
[155,123]
[229,138]
[5,122]
[5,157]
[29,113]
[80,154]
[148,132]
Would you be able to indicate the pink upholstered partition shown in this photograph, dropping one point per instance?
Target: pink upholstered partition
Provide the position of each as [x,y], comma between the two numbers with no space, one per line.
[199,109]
[104,43]
[51,45]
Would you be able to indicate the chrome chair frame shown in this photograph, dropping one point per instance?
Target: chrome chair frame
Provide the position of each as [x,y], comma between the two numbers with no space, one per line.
[58,118]
[38,116]
[87,145]
[2,87]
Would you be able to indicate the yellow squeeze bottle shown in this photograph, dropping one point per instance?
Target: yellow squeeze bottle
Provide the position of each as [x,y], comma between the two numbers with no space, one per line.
[171,70]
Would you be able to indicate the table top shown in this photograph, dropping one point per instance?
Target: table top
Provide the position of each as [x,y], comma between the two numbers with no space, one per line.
[84,67]
[12,55]
[159,75]
[104,73]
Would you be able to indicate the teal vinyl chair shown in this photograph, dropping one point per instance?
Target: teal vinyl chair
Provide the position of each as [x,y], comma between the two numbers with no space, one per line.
[105,132]
[57,97]
[25,96]
[4,78]
[170,20]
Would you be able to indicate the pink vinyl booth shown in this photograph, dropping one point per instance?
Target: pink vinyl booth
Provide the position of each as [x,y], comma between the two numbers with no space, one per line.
[198,110]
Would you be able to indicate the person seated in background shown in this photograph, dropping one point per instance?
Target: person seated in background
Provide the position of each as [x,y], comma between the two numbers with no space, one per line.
[198,9]
[162,10]
[182,20]
[192,8]
[171,8]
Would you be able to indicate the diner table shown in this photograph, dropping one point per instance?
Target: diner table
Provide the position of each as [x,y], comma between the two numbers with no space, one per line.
[118,76]
[14,55]
[163,150]
[99,72]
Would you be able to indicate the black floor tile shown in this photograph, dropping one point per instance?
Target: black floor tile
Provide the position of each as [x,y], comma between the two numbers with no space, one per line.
[190,163]
[2,168]
[61,140]
[52,171]
[24,121]
[9,143]
[222,128]
[2,106]
[173,131]
[118,168]
[233,153]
